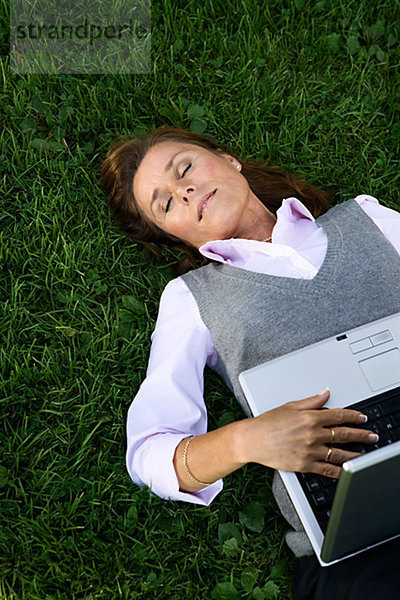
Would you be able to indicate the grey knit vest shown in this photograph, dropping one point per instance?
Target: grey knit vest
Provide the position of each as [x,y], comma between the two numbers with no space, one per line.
[255,317]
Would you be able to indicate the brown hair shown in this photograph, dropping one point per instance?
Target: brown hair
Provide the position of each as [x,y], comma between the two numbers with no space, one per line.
[270,184]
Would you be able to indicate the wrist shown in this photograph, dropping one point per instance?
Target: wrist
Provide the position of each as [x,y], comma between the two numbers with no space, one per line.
[241,438]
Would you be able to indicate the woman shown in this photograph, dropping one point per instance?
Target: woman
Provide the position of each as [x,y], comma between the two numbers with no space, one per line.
[275,273]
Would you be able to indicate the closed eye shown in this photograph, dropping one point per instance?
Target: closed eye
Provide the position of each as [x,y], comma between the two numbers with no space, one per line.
[168,205]
[187,168]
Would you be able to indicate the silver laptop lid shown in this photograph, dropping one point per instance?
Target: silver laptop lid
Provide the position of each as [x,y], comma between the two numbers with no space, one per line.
[365,510]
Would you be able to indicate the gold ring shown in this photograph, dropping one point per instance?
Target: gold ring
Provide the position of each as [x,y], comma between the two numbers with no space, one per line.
[333,435]
[327,457]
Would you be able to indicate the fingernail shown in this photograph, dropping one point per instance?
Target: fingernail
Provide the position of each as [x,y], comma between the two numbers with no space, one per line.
[373,437]
[362,418]
[322,392]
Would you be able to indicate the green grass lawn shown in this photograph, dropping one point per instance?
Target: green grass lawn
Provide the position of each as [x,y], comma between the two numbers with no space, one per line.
[313,86]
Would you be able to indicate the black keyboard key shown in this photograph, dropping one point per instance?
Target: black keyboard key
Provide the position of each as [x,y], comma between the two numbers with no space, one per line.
[373,412]
[371,447]
[396,433]
[319,498]
[395,418]
[323,519]
[390,405]
[330,492]
[385,424]
[374,427]
[313,484]
[328,482]
[355,447]
[386,438]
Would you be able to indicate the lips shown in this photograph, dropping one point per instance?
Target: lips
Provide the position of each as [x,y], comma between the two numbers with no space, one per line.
[203,203]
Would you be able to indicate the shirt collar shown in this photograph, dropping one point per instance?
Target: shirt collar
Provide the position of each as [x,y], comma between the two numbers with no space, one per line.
[289,215]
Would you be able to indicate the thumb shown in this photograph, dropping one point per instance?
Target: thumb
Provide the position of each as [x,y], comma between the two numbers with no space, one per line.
[314,402]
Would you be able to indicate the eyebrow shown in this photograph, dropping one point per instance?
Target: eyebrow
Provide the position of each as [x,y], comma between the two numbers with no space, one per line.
[168,167]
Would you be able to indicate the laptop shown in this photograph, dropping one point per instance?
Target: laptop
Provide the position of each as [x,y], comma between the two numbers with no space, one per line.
[362,369]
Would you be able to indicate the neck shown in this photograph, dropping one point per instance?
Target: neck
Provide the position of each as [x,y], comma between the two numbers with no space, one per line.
[259,222]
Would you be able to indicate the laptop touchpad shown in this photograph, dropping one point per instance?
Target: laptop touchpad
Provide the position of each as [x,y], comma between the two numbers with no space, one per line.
[382,370]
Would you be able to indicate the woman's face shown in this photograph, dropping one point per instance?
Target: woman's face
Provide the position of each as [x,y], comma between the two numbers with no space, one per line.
[197,195]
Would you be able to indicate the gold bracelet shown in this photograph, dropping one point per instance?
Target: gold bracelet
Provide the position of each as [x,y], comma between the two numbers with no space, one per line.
[184,458]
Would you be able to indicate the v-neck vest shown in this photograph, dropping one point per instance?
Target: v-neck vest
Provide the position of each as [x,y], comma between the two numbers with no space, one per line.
[254,317]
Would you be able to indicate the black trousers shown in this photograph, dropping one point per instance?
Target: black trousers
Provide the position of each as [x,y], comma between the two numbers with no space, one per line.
[371,575]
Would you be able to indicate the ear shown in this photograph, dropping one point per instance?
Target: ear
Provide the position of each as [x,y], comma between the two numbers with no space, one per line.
[234,161]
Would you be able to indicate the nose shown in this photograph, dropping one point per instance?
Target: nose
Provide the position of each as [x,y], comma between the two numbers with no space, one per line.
[184,194]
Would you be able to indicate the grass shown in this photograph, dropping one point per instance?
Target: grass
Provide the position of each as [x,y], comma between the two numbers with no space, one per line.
[315,87]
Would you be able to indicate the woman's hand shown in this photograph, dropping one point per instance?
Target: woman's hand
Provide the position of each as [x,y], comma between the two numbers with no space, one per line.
[294,437]
[297,436]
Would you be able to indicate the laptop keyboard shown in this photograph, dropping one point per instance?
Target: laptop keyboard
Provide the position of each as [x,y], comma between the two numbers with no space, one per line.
[383,413]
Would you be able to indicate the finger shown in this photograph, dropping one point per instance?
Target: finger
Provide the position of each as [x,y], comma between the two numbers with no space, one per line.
[331,468]
[313,402]
[337,416]
[338,456]
[344,435]
[326,469]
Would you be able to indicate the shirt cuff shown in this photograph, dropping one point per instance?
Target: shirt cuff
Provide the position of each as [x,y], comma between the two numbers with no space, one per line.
[152,465]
